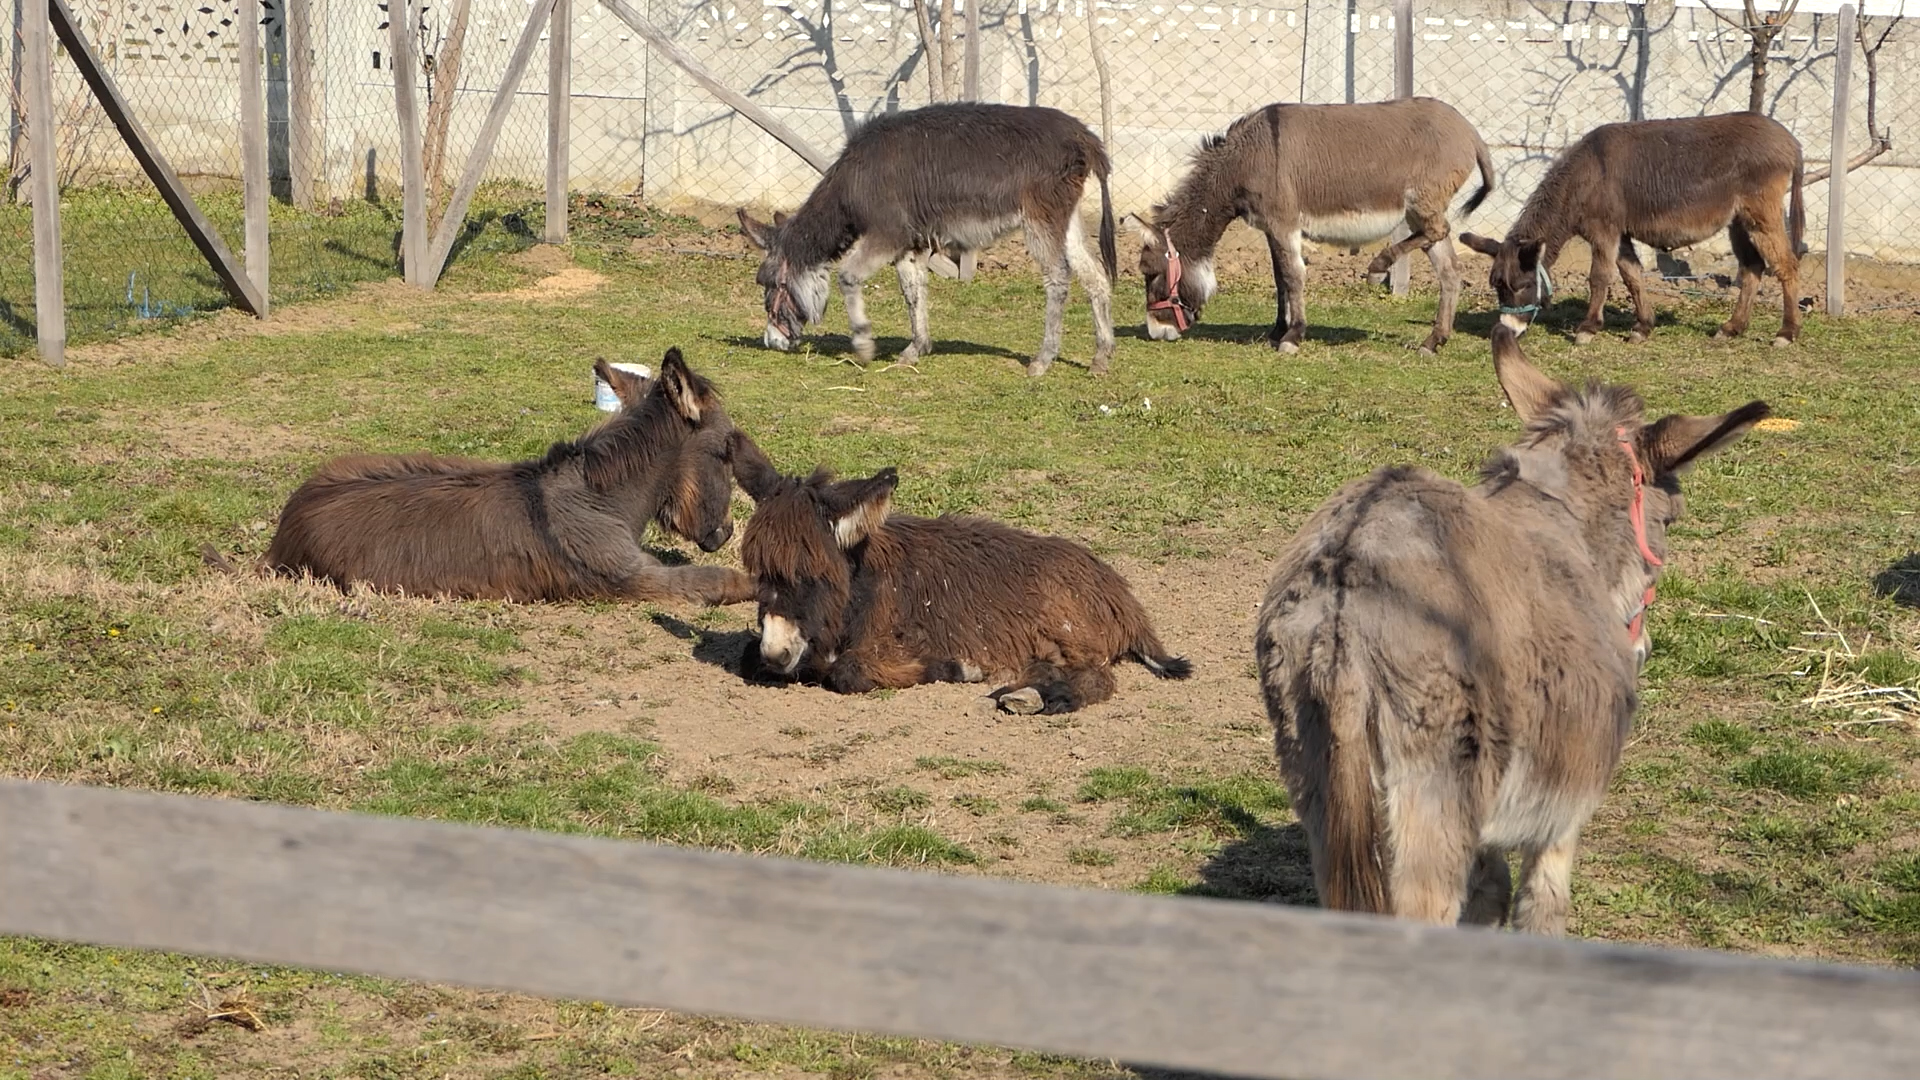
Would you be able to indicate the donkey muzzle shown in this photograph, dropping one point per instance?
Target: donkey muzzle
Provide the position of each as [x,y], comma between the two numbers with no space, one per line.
[782,645]
[716,537]
[774,338]
[1161,331]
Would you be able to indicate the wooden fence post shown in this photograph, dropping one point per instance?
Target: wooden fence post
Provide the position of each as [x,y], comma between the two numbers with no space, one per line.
[413,173]
[302,117]
[559,117]
[49,291]
[1400,276]
[1837,156]
[255,182]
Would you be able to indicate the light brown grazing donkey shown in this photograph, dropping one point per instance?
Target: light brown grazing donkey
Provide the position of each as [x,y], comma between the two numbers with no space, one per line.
[1451,671]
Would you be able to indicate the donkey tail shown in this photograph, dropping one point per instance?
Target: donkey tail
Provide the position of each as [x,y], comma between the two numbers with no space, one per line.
[1485,161]
[1353,879]
[1109,256]
[1797,210]
[1163,666]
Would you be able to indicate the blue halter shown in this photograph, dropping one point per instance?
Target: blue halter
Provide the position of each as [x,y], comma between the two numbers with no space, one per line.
[1543,292]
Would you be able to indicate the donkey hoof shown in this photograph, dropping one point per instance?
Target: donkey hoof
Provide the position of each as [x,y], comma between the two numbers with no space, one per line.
[1583,337]
[1038,367]
[1638,337]
[1022,702]
[1426,350]
[1286,347]
[1782,342]
[863,350]
[909,355]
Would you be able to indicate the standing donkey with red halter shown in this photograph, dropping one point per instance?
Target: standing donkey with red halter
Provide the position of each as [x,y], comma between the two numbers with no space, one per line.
[1452,672]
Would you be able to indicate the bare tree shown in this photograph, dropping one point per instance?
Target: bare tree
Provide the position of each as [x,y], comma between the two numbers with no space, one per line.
[1761,30]
[1879,140]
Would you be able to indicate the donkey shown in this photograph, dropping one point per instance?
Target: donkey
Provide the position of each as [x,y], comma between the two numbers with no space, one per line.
[1345,174]
[562,527]
[1668,183]
[1451,671]
[909,184]
[855,597]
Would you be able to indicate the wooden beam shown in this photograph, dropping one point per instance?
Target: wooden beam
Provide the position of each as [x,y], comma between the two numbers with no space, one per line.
[559,118]
[1837,153]
[970,59]
[201,231]
[738,102]
[49,273]
[413,172]
[256,184]
[1239,989]
[303,118]
[1400,275]
[454,216]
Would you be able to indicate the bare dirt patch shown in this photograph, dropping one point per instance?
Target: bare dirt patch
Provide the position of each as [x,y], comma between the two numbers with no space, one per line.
[561,280]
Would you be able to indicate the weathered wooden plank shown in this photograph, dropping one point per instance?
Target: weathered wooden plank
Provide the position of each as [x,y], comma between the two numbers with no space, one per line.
[255,184]
[1244,989]
[1400,277]
[413,170]
[304,119]
[201,231]
[735,100]
[559,118]
[454,216]
[49,268]
[1837,153]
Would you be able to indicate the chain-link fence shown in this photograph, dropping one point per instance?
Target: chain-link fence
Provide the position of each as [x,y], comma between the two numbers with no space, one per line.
[1151,77]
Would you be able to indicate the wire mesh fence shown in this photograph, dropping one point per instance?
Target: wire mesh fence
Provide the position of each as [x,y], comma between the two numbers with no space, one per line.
[1152,78]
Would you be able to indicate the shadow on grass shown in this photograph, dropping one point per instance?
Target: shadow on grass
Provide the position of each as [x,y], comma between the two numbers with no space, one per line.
[1254,334]
[1900,582]
[1267,863]
[885,349]
[735,652]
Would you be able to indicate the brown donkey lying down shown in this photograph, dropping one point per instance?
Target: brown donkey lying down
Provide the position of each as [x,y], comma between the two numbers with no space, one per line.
[855,598]
[1451,672]
[562,527]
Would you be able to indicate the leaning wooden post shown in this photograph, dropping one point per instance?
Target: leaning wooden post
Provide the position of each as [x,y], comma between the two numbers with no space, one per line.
[255,183]
[413,173]
[49,292]
[1399,277]
[1837,156]
[559,117]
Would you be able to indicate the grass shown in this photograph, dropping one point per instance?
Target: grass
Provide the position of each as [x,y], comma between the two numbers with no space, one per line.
[1739,818]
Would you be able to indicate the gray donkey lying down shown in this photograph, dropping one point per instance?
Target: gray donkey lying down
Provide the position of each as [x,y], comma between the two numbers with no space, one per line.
[1451,672]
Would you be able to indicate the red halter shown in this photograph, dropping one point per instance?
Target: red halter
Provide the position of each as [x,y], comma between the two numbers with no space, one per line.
[1173,302]
[1637,513]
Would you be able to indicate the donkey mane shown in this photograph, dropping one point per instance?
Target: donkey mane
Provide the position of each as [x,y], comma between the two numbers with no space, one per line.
[616,451]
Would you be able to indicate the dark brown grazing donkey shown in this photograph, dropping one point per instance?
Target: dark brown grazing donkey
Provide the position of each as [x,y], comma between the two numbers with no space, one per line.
[912,183]
[1451,672]
[855,597]
[1345,174]
[1667,183]
[563,527]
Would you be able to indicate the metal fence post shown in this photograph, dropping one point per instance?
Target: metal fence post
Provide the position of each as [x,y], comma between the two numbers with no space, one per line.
[49,292]
[1837,155]
[255,183]
[1399,276]
[559,117]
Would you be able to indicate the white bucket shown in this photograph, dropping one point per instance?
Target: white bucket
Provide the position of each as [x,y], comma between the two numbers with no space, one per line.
[604,398]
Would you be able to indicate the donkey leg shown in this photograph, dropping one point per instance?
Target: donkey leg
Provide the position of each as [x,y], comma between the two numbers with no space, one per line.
[1634,276]
[1290,287]
[1446,271]
[1769,237]
[1051,688]
[1489,889]
[1046,242]
[712,586]
[1279,255]
[1432,843]
[859,265]
[913,287]
[1599,280]
[1752,265]
[1093,278]
[1545,887]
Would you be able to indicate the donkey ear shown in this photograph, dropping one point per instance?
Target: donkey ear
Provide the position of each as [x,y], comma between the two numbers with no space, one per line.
[1529,391]
[631,389]
[758,234]
[861,506]
[681,385]
[1674,442]
[1529,253]
[779,219]
[1485,245]
[1148,234]
[751,469]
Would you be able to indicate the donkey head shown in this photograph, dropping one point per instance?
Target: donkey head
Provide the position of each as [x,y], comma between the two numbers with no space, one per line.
[1591,450]
[796,295]
[1177,288]
[1518,277]
[799,547]
[699,481]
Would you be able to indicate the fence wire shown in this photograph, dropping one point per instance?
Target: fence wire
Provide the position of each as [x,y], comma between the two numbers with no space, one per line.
[1152,78]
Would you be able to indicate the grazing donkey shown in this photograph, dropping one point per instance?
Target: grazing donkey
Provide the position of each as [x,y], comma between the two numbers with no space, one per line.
[1345,174]
[563,527]
[855,597]
[1451,671]
[1668,183]
[909,184]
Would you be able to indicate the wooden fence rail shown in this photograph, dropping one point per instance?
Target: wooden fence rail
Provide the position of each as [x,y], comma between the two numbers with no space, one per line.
[1243,989]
